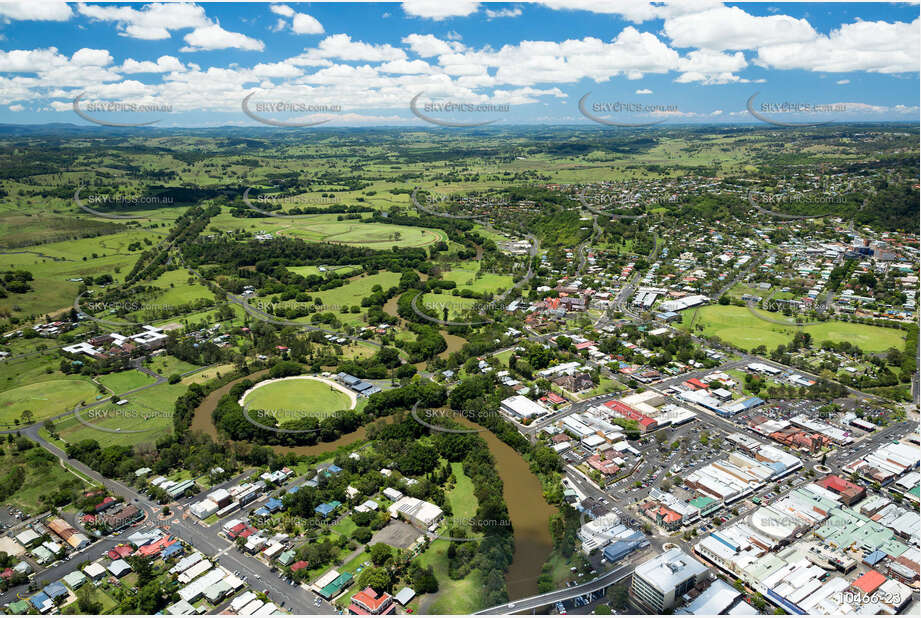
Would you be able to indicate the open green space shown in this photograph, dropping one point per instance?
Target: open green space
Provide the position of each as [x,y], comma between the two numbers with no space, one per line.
[44,399]
[166,365]
[738,327]
[180,287]
[306,271]
[325,228]
[124,381]
[146,417]
[44,475]
[454,596]
[300,395]
[53,265]
[461,497]
[468,277]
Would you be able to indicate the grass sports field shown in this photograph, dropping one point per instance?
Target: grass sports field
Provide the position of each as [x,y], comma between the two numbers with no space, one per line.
[146,417]
[738,327]
[44,399]
[300,395]
[325,228]
[467,277]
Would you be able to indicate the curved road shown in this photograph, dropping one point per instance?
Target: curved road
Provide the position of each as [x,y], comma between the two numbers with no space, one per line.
[564,594]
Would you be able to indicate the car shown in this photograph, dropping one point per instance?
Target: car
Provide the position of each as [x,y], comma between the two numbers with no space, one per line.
[510,605]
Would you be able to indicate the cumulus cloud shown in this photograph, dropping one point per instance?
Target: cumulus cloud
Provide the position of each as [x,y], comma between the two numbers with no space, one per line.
[644,91]
[306,24]
[152,22]
[439,10]
[164,64]
[282,9]
[872,46]
[503,13]
[732,28]
[214,37]
[35,11]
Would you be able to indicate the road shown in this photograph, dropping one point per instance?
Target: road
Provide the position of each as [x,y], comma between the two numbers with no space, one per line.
[186,527]
[564,594]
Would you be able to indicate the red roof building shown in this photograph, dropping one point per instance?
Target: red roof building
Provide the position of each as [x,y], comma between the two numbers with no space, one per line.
[154,549]
[369,603]
[645,422]
[236,530]
[869,581]
[554,398]
[121,551]
[849,492]
[297,566]
[695,384]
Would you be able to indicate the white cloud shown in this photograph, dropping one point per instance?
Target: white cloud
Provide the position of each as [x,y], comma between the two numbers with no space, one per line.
[153,22]
[277,69]
[428,45]
[282,9]
[732,28]
[343,47]
[30,60]
[503,13]
[16,108]
[842,82]
[35,11]
[644,91]
[91,57]
[214,37]
[439,10]
[306,24]
[636,11]
[872,46]
[164,64]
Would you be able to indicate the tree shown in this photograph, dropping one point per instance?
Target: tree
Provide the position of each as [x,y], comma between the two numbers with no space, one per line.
[375,577]
[85,602]
[380,553]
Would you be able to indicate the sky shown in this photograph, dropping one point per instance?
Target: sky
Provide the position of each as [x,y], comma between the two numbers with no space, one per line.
[602,62]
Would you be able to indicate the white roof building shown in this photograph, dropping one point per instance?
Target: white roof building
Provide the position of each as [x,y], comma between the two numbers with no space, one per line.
[522,407]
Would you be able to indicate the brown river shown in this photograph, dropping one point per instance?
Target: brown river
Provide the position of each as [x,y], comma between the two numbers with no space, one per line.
[528,512]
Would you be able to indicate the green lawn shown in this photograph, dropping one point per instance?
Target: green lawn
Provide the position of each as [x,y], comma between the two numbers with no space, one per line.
[738,327]
[178,290]
[467,276]
[462,596]
[345,527]
[45,399]
[461,497]
[124,381]
[168,365]
[352,292]
[298,395]
[149,410]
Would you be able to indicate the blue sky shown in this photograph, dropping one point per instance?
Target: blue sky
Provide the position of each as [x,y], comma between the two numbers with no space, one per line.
[360,64]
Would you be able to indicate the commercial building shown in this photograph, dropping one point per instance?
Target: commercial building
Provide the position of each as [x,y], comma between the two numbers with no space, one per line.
[658,584]
[848,493]
[522,408]
[423,514]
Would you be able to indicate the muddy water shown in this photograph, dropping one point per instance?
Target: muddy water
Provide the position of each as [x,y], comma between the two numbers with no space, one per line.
[528,512]
[522,491]
[455,343]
